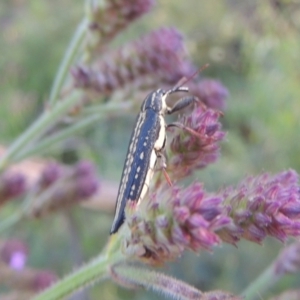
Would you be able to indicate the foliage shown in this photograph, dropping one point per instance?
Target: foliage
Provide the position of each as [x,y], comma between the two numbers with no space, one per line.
[252,48]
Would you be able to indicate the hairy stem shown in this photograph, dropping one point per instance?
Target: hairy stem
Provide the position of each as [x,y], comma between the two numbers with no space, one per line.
[67,60]
[40,125]
[80,125]
[134,276]
[261,284]
[95,271]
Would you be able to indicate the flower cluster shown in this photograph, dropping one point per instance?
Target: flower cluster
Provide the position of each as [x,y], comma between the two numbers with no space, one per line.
[211,92]
[41,279]
[14,272]
[59,188]
[196,143]
[110,17]
[289,260]
[158,56]
[172,220]
[264,206]
[12,186]
[51,173]
[26,279]
[14,253]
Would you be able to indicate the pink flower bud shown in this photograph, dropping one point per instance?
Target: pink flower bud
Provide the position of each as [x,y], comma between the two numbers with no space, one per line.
[14,253]
[12,185]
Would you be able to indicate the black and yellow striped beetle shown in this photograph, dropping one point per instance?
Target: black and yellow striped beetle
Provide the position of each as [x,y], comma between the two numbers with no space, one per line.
[145,147]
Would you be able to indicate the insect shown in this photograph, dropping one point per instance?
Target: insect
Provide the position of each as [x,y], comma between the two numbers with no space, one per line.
[145,147]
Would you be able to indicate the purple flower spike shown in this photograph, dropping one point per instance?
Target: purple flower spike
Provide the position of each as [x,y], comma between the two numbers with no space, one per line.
[84,168]
[42,280]
[289,260]
[50,174]
[183,219]
[211,92]
[157,58]
[172,220]
[12,185]
[196,144]
[18,261]
[268,202]
[86,187]
[111,17]
[76,184]
[86,181]
[14,253]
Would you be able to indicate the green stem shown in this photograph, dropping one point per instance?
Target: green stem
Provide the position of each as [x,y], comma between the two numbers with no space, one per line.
[49,142]
[54,111]
[11,221]
[82,124]
[261,284]
[134,276]
[20,214]
[96,270]
[67,60]
[42,123]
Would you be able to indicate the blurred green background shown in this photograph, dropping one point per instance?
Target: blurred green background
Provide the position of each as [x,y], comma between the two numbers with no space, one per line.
[252,46]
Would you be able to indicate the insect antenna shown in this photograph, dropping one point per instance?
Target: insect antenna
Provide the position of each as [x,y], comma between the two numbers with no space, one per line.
[179,86]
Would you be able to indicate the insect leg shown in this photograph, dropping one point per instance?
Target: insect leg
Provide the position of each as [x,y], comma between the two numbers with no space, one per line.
[181,126]
[182,103]
[163,166]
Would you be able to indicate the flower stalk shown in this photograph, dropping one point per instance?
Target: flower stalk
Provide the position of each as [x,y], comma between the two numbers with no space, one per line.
[287,262]
[37,128]
[67,61]
[78,126]
[94,271]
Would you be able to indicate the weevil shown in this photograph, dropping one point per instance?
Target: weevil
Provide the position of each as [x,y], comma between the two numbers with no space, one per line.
[145,147]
